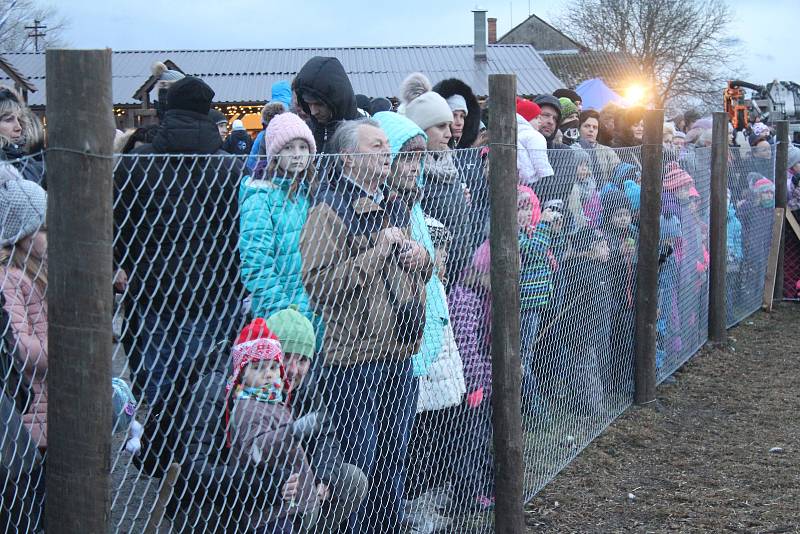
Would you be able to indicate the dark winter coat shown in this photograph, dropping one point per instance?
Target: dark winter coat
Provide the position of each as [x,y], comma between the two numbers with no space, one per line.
[443,199]
[324,79]
[212,489]
[313,428]
[472,123]
[584,320]
[31,167]
[238,142]
[176,220]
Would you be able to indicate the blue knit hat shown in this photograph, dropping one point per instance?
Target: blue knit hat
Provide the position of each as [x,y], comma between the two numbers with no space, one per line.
[626,171]
[634,193]
[282,92]
[398,129]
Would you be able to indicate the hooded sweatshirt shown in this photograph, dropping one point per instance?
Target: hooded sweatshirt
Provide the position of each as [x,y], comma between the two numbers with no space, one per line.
[324,79]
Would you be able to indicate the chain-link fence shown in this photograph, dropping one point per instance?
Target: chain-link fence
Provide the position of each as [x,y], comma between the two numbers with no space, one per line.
[372,273]
[751,204]
[791,261]
[23,343]
[682,325]
[577,283]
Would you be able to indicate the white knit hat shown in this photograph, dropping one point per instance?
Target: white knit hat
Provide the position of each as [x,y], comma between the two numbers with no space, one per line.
[237,125]
[23,205]
[421,104]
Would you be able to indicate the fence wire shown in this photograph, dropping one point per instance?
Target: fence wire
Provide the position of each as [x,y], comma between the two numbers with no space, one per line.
[578,274]
[791,257]
[23,344]
[372,271]
[682,324]
[751,188]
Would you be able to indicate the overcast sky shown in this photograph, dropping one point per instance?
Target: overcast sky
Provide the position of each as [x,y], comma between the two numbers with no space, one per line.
[767,27]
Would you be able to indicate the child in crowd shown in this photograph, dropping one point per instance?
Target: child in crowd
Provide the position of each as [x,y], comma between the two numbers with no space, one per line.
[667,323]
[756,214]
[584,202]
[793,181]
[734,262]
[470,302]
[273,205]
[623,239]
[585,321]
[536,284]
[690,253]
[260,424]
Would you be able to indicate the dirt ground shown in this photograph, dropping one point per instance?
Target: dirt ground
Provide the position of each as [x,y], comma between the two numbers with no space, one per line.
[718,452]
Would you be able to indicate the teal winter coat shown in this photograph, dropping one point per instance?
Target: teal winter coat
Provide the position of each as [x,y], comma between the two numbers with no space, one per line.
[269,245]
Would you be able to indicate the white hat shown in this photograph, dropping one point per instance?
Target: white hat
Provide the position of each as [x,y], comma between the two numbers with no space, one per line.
[237,125]
[421,104]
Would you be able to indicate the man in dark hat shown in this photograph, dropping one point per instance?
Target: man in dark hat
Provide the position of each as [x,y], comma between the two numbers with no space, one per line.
[177,226]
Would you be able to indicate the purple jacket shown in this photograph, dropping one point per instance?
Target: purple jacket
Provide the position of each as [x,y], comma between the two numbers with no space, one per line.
[470,316]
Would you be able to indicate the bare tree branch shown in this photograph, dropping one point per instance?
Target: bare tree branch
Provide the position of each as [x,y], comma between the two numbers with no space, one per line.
[13,35]
[682,46]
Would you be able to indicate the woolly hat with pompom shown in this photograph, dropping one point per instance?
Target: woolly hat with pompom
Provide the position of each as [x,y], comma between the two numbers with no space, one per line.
[164,74]
[421,104]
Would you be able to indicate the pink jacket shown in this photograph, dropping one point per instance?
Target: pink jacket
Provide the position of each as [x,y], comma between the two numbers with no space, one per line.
[27,308]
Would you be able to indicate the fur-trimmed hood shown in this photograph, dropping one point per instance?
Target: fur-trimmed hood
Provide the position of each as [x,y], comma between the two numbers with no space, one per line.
[472,124]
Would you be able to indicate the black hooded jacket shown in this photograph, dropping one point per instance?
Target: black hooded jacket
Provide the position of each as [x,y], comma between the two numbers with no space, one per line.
[238,142]
[177,220]
[472,124]
[324,79]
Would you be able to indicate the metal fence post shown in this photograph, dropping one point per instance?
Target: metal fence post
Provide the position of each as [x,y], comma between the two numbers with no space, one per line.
[718,239]
[79,174]
[647,268]
[781,196]
[506,370]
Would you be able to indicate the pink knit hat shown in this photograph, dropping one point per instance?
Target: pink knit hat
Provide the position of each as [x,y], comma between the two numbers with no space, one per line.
[763,185]
[536,206]
[284,128]
[675,178]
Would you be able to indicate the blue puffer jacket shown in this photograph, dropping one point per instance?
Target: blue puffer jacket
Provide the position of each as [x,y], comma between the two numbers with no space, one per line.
[269,245]
[735,253]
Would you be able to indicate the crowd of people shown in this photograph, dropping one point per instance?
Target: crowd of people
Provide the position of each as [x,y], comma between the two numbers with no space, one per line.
[308,312]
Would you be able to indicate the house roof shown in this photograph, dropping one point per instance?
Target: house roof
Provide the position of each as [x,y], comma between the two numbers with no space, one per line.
[246,75]
[13,74]
[537,24]
[615,69]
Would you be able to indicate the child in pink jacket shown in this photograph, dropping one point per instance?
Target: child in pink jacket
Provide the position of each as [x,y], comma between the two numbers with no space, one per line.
[23,280]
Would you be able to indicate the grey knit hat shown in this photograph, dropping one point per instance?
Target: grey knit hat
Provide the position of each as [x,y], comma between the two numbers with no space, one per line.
[23,205]
[794,156]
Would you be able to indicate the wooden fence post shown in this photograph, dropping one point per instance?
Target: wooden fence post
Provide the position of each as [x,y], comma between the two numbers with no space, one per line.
[647,268]
[506,370]
[718,239]
[80,128]
[781,196]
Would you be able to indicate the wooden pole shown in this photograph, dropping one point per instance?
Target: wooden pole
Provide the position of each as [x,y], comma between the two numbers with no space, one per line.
[647,268]
[770,278]
[781,197]
[506,371]
[80,126]
[718,239]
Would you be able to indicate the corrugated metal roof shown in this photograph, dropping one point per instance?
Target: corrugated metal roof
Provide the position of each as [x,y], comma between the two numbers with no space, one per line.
[616,70]
[246,75]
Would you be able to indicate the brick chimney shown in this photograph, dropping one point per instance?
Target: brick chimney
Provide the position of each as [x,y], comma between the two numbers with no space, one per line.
[492,30]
